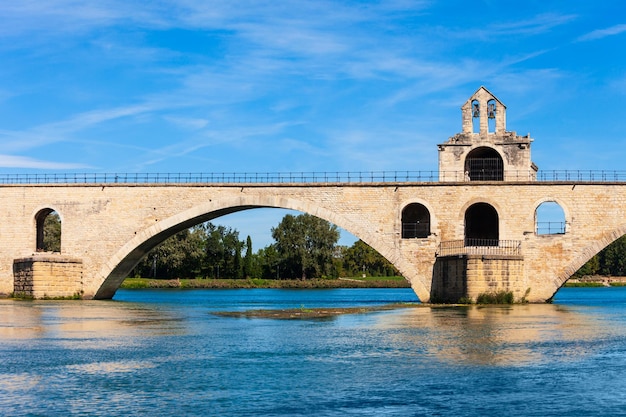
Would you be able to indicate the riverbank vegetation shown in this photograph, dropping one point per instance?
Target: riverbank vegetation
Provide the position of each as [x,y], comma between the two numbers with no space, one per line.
[368,282]
[609,262]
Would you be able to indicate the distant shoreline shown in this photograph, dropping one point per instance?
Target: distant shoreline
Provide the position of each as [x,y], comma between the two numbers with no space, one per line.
[352,282]
[596,281]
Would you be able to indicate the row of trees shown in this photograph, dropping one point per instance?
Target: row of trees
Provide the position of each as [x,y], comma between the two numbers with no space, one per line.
[611,261]
[305,247]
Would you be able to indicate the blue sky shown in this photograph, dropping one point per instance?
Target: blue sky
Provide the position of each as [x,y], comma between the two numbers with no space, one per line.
[258,86]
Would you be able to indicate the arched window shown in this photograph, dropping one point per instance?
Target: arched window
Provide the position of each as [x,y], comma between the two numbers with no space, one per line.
[481,225]
[475,116]
[484,164]
[549,219]
[48,231]
[415,221]
[491,115]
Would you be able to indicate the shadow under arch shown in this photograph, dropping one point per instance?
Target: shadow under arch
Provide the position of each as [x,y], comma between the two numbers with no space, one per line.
[117,268]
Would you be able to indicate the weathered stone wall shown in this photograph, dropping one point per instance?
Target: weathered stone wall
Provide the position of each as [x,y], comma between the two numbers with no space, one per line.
[512,148]
[47,276]
[493,273]
[109,227]
[468,276]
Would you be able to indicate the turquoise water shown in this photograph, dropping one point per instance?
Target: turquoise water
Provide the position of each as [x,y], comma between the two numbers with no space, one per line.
[164,353]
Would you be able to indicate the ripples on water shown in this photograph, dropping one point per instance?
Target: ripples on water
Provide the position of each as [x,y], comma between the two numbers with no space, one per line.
[163,353]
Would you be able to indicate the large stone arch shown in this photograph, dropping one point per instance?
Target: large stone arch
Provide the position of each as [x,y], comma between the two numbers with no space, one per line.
[588,252]
[121,263]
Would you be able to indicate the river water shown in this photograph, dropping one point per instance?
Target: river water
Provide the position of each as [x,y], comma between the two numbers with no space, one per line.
[163,353]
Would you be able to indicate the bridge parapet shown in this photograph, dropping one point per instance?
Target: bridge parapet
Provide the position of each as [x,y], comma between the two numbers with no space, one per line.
[294,178]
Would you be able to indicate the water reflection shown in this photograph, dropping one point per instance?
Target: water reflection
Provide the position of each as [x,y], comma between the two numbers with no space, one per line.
[165,353]
[99,368]
[499,335]
[84,320]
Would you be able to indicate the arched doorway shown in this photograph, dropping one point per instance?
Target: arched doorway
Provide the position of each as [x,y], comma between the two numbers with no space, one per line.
[415,221]
[484,164]
[481,225]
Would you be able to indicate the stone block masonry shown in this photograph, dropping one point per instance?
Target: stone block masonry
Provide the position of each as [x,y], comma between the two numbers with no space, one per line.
[47,276]
[109,228]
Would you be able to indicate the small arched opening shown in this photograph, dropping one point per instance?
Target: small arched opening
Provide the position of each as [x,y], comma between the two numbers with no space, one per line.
[481,225]
[549,219]
[484,164]
[48,224]
[491,115]
[415,221]
[475,116]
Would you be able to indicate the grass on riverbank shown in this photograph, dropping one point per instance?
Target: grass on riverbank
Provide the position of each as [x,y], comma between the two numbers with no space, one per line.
[368,282]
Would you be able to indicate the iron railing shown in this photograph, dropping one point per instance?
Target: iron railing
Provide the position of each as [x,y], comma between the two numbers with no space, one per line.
[550,228]
[304,177]
[415,230]
[471,246]
[223,178]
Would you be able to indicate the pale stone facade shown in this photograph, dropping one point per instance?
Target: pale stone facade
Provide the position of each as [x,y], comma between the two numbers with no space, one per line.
[484,131]
[108,228]
[48,276]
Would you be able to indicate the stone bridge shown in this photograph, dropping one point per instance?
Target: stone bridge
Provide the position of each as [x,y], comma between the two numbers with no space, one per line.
[470,228]
[108,227]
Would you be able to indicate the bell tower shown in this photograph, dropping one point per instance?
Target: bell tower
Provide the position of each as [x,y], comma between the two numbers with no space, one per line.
[485,150]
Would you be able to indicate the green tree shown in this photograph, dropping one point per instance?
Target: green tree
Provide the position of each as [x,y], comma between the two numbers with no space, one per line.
[592,267]
[222,251]
[248,259]
[52,233]
[613,258]
[268,262]
[360,258]
[305,244]
[179,256]
[609,261]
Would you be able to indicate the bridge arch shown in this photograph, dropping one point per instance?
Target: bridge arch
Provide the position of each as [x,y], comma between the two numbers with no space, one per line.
[484,163]
[121,263]
[587,253]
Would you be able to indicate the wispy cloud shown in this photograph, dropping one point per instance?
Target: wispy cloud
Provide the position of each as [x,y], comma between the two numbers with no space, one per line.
[494,32]
[60,131]
[603,33]
[12,161]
